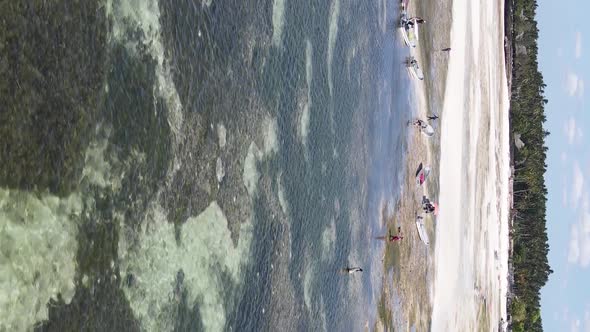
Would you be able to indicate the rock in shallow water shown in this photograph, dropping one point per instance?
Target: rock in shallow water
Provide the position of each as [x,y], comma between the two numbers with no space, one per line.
[222,134]
[219,170]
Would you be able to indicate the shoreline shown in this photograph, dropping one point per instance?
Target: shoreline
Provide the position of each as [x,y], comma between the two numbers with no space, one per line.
[410,260]
[508,62]
[423,93]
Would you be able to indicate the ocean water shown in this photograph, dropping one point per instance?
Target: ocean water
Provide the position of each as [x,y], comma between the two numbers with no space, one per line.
[472,234]
[237,162]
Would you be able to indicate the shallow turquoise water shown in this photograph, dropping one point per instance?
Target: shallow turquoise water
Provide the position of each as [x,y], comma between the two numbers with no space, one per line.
[238,161]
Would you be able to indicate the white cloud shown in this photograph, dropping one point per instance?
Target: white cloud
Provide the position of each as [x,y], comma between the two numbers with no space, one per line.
[571,83]
[585,239]
[569,128]
[575,325]
[573,254]
[577,186]
[578,45]
[587,320]
[574,85]
[563,157]
[579,243]
[572,131]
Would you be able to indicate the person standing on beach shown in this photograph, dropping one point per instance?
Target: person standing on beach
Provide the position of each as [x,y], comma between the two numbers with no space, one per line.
[415,20]
[350,270]
[392,238]
[420,123]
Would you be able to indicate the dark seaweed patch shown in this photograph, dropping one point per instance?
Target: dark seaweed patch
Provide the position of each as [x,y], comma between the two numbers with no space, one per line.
[52,64]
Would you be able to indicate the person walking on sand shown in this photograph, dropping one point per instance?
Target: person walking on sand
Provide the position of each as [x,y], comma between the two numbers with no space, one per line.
[432,117]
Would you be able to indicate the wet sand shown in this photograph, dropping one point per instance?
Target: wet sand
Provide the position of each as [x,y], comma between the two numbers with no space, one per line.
[410,259]
[408,290]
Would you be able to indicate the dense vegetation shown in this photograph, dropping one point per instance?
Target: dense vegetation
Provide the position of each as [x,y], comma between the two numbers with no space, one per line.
[529,257]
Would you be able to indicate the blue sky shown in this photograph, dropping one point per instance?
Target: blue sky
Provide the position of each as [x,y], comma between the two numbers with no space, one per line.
[564,59]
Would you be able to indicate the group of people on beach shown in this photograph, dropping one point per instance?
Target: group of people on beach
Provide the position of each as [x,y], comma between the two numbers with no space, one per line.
[409,28]
[413,21]
[410,23]
[427,206]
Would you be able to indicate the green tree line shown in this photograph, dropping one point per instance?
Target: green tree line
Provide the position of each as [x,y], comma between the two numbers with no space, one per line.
[527,115]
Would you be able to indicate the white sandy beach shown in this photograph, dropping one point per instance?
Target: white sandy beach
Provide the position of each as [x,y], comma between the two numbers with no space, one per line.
[471,250]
